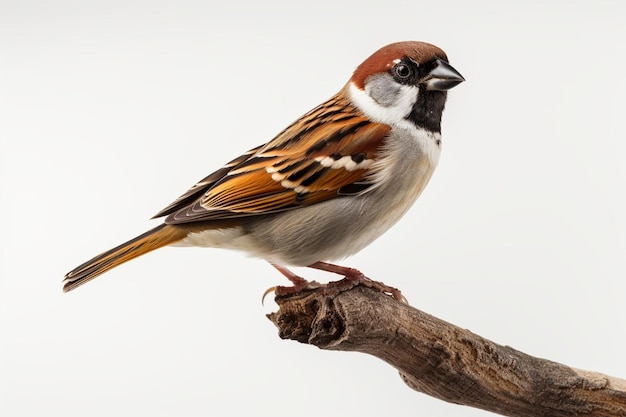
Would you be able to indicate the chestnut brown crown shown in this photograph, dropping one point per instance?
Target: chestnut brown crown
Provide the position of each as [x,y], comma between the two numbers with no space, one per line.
[388,56]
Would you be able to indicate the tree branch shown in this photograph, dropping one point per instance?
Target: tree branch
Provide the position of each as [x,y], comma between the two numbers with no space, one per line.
[443,360]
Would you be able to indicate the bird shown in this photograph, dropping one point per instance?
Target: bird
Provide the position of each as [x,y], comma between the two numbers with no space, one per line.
[325,187]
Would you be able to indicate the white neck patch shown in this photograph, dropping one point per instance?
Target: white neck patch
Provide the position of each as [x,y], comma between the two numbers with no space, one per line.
[393,115]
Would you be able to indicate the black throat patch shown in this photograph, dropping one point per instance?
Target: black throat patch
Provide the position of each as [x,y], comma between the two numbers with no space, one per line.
[428,109]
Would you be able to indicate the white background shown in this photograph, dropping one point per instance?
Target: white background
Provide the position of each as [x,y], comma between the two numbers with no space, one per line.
[110,110]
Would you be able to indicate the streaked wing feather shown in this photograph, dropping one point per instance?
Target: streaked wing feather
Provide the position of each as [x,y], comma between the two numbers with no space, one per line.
[317,158]
[198,189]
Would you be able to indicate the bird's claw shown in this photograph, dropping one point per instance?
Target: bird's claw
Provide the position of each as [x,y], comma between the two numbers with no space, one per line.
[280,290]
[335,287]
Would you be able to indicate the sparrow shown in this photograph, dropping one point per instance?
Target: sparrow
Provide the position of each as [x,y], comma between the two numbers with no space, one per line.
[326,186]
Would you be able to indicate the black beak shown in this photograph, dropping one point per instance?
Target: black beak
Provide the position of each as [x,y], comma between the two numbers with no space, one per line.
[442,78]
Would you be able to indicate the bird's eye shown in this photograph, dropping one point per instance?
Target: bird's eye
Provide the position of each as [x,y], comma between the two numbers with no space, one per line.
[402,71]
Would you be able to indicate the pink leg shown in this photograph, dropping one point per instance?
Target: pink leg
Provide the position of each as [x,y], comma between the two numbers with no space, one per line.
[349,273]
[354,277]
[299,283]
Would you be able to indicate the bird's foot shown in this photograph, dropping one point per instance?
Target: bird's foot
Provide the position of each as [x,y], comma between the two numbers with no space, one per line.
[299,284]
[352,278]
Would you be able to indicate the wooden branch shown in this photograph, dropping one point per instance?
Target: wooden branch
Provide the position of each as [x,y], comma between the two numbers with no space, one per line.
[445,361]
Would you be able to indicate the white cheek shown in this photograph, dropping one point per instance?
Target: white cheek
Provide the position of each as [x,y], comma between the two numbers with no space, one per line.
[394,114]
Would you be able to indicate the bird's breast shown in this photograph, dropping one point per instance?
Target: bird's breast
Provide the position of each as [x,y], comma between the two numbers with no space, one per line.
[404,169]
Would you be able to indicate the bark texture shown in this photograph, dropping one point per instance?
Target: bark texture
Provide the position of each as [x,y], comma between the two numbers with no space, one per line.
[445,361]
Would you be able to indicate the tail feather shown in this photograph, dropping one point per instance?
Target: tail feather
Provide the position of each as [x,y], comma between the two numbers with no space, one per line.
[160,236]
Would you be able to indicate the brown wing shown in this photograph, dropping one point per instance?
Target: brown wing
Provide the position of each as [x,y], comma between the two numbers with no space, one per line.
[203,185]
[327,153]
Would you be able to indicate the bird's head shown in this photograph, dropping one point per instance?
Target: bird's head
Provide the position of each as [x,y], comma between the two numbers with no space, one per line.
[404,82]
